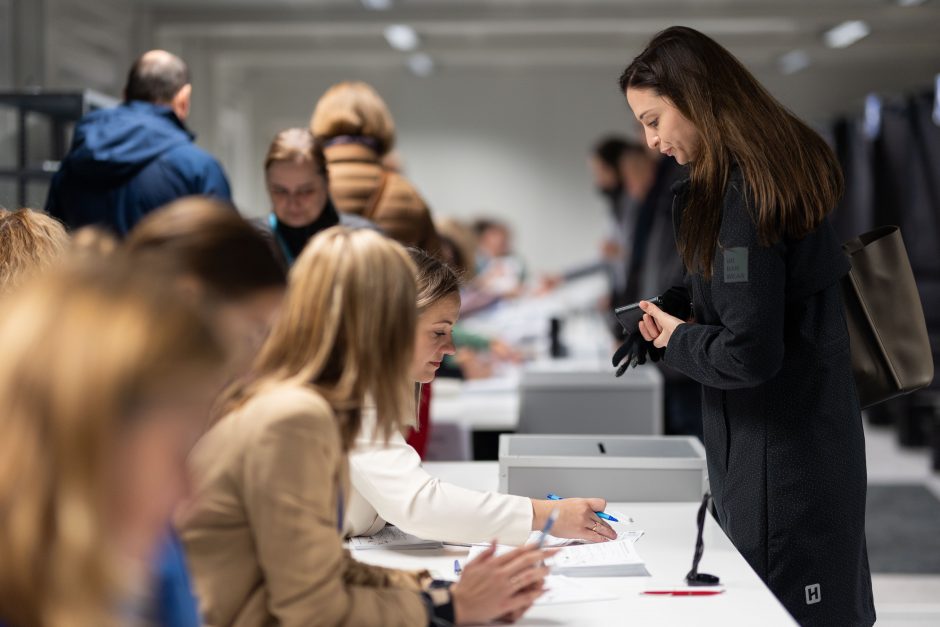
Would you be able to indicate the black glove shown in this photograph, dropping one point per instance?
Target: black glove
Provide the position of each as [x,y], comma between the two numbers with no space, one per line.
[635,350]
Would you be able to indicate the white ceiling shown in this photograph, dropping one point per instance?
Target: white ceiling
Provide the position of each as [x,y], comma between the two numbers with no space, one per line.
[902,51]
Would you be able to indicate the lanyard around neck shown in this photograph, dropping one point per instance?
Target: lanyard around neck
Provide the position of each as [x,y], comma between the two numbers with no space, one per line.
[288,255]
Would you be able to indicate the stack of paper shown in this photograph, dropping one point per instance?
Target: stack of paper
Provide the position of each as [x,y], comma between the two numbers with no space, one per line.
[604,559]
[391,537]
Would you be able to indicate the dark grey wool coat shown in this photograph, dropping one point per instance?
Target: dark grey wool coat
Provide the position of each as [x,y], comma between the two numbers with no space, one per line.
[782,424]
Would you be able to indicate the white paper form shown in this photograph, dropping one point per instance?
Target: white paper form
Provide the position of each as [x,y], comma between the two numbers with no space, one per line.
[621,527]
[631,535]
[598,560]
[604,559]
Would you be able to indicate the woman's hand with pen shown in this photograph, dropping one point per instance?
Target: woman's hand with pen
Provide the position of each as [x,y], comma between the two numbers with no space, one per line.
[500,587]
[577,519]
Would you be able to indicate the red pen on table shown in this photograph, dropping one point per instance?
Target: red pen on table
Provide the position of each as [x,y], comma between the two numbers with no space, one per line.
[683,593]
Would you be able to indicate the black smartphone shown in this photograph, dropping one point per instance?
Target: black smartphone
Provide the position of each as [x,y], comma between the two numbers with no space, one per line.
[629,316]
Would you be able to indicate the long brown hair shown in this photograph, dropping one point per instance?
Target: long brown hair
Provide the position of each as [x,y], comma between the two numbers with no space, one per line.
[83,347]
[347,330]
[790,171]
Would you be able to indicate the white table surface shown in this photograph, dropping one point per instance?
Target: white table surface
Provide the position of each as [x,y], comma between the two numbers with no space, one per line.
[667,548]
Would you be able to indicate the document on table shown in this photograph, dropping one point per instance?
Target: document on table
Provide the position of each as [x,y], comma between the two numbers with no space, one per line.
[604,559]
[623,533]
[391,537]
[627,535]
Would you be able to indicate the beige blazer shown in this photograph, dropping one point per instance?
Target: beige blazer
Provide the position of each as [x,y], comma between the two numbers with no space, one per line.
[262,534]
[389,484]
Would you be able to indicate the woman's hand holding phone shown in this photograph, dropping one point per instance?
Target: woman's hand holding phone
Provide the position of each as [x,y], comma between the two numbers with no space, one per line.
[657,326]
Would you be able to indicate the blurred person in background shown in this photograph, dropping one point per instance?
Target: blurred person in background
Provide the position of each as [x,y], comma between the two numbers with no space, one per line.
[476,354]
[126,161]
[106,378]
[655,266]
[608,181]
[499,271]
[356,130]
[224,263]
[219,261]
[30,242]
[297,181]
[91,242]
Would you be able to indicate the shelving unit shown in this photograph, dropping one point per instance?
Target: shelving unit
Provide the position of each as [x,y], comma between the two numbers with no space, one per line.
[61,109]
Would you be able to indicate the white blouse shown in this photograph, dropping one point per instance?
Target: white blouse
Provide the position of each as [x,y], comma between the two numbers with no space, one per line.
[389,484]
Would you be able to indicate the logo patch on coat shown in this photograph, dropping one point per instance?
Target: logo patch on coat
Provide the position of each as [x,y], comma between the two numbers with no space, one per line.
[736,265]
[813,594]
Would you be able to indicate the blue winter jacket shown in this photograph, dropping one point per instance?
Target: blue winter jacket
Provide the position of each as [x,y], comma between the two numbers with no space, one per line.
[127,161]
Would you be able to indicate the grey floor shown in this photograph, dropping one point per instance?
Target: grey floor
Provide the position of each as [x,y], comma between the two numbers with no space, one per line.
[907,593]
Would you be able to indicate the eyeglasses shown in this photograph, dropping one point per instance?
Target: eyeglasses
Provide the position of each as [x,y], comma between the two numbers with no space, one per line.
[695,578]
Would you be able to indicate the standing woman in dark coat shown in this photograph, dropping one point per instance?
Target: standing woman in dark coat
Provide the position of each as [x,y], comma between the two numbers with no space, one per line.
[768,340]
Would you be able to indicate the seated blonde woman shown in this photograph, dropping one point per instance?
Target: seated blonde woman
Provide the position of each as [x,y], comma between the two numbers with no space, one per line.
[264,531]
[390,484]
[30,241]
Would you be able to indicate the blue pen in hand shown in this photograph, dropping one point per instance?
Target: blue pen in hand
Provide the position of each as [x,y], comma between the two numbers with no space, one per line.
[457,568]
[552,517]
[602,515]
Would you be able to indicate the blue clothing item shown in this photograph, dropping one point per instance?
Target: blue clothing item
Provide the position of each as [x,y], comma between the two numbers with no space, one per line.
[176,604]
[127,161]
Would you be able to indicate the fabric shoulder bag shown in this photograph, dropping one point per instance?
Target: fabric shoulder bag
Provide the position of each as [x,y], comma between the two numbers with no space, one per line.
[890,348]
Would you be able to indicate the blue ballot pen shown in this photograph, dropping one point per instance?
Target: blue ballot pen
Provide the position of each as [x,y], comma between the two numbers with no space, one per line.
[605,516]
[457,568]
[552,517]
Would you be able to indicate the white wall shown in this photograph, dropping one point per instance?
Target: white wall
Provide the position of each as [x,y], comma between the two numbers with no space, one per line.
[511,144]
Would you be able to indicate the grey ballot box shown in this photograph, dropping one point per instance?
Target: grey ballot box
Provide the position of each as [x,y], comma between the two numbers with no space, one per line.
[615,467]
[557,398]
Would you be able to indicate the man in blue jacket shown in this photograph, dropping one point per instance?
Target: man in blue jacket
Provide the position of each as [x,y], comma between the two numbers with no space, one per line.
[127,161]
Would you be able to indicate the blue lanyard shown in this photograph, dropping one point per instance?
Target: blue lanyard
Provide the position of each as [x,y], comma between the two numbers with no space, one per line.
[272,222]
[339,510]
